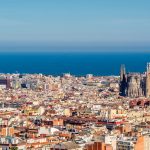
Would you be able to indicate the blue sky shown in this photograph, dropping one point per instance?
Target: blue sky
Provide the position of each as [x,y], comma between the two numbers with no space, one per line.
[75,22]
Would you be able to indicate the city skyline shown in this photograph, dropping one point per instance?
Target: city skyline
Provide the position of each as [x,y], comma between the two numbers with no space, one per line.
[60,83]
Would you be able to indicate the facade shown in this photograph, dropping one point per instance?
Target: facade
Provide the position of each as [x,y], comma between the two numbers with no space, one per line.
[136,143]
[5,83]
[98,146]
[135,84]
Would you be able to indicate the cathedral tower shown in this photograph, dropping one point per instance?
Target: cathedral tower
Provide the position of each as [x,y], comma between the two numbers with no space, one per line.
[148,80]
[123,81]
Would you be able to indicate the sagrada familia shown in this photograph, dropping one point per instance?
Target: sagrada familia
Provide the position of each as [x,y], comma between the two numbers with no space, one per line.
[135,84]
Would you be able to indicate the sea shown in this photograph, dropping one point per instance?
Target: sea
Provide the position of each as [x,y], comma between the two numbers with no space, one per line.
[75,63]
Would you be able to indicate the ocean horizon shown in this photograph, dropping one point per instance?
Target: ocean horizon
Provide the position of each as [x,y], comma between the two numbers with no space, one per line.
[75,63]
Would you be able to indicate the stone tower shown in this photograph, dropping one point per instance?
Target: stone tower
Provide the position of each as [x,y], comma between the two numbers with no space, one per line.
[148,80]
[123,81]
[134,86]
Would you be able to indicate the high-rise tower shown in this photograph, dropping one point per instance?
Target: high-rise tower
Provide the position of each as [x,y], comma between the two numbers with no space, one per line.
[148,80]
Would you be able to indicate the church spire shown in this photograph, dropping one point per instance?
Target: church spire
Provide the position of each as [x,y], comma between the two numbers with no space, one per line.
[122,72]
[148,67]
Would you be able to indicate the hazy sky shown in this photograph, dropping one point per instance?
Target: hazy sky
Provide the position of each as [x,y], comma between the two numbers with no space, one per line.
[75,22]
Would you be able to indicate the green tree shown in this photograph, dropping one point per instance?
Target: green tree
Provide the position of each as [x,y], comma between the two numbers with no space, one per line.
[14,148]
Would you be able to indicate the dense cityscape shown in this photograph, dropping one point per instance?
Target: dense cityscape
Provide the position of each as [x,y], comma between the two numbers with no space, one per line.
[74,75]
[39,112]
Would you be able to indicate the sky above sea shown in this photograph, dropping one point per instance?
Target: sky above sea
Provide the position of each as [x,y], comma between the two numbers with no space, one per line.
[74,23]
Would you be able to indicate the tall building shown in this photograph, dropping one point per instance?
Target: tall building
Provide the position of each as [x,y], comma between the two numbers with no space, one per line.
[135,84]
[123,82]
[148,80]
[5,83]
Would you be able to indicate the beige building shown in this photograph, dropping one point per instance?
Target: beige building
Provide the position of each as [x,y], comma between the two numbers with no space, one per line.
[148,80]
